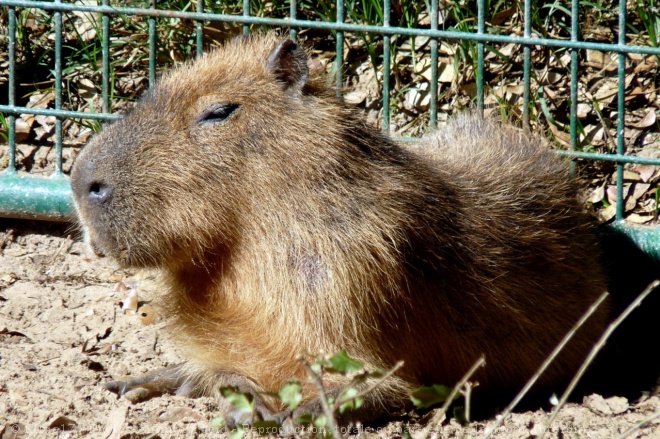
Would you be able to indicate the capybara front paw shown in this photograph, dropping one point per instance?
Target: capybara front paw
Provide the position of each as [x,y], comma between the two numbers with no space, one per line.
[152,384]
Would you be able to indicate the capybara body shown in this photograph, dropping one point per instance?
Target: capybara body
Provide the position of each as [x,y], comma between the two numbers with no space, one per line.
[281,223]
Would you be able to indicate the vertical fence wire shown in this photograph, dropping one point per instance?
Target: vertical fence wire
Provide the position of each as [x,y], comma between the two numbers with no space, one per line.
[11,119]
[386,68]
[293,12]
[58,91]
[246,13]
[152,48]
[105,53]
[339,59]
[200,29]
[620,124]
[527,64]
[575,35]
[433,122]
[481,29]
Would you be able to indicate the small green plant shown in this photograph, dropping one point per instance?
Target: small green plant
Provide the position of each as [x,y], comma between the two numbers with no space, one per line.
[4,128]
[649,14]
[350,397]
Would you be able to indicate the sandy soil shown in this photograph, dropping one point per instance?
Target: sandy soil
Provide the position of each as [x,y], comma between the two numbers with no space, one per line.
[63,334]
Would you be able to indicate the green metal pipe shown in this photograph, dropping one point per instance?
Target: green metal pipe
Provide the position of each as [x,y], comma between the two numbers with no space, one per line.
[337,26]
[50,198]
[42,198]
[645,238]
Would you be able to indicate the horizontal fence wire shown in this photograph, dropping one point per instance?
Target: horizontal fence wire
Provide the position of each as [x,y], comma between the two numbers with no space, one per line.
[336,26]
[339,26]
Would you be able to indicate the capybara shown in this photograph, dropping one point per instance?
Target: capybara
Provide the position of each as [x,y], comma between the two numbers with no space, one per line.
[281,223]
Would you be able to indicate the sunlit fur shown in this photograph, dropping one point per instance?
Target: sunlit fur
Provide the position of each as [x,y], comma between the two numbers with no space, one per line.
[292,226]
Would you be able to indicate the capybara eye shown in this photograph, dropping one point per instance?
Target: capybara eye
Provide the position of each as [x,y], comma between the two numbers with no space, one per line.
[217,113]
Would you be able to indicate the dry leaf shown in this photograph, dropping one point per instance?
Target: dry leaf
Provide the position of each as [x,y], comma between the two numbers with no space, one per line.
[598,195]
[115,422]
[627,176]
[62,423]
[23,129]
[647,120]
[13,431]
[555,77]
[600,60]
[446,73]
[418,98]
[611,192]
[649,205]
[606,92]
[607,214]
[86,23]
[561,136]
[639,219]
[87,89]
[646,172]
[639,189]
[41,100]
[355,97]
[178,414]
[8,336]
[503,16]
[583,110]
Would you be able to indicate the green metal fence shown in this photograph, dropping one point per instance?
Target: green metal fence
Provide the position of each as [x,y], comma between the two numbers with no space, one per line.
[28,196]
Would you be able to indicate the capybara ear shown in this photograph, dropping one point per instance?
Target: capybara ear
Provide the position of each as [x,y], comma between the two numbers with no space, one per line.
[288,62]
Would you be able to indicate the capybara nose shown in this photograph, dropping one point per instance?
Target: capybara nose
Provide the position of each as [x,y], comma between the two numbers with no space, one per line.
[87,184]
[99,193]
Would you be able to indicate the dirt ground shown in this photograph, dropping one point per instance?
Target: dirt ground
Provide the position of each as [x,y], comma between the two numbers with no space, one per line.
[63,334]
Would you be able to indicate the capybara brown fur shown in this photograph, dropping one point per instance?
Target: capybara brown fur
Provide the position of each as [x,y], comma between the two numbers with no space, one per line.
[281,223]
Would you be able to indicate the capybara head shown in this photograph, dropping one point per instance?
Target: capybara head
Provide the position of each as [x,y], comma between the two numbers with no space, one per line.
[168,182]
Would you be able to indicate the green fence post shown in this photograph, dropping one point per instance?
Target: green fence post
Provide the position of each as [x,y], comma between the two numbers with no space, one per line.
[246,13]
[433,122]
[105,53]
[575,34]
[199,29]
[621,116]
[293,11]
[339,58]
[527,64]
[481,30]
[11,119]
[386,68]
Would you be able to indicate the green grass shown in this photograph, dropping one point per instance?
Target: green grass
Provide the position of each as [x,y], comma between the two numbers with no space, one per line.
[649,15]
